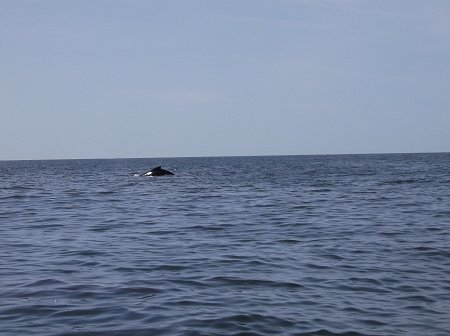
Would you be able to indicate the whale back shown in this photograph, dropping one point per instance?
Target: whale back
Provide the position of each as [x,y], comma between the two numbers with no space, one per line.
[158,171]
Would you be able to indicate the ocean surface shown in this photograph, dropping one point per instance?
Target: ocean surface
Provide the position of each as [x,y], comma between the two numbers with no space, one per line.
[279,245]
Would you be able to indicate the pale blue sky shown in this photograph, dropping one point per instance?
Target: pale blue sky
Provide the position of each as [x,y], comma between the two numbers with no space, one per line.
[131,78]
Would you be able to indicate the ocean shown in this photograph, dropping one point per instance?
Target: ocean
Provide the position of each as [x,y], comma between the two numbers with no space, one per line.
[278,245]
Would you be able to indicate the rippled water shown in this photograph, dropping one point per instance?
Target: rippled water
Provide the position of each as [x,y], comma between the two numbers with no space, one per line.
[296,245]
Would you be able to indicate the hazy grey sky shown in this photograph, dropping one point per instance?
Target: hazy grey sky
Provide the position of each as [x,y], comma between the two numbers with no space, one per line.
[143,78]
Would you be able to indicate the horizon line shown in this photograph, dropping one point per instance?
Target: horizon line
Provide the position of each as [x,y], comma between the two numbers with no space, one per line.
[223,156]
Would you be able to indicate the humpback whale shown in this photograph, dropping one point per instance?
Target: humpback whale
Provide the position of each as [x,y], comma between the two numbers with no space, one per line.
[158,171]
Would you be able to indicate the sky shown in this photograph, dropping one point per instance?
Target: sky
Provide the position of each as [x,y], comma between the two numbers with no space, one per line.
[177,78]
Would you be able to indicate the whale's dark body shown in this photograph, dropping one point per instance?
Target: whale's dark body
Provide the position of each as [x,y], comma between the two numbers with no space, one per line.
[158,171]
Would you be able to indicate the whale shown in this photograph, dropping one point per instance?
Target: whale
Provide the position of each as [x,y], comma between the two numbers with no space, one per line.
[158,171]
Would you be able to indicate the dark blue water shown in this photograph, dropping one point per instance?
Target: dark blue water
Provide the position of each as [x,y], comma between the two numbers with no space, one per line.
[296,245]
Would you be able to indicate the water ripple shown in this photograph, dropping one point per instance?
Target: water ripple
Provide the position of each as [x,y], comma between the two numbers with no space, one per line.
[342,245]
